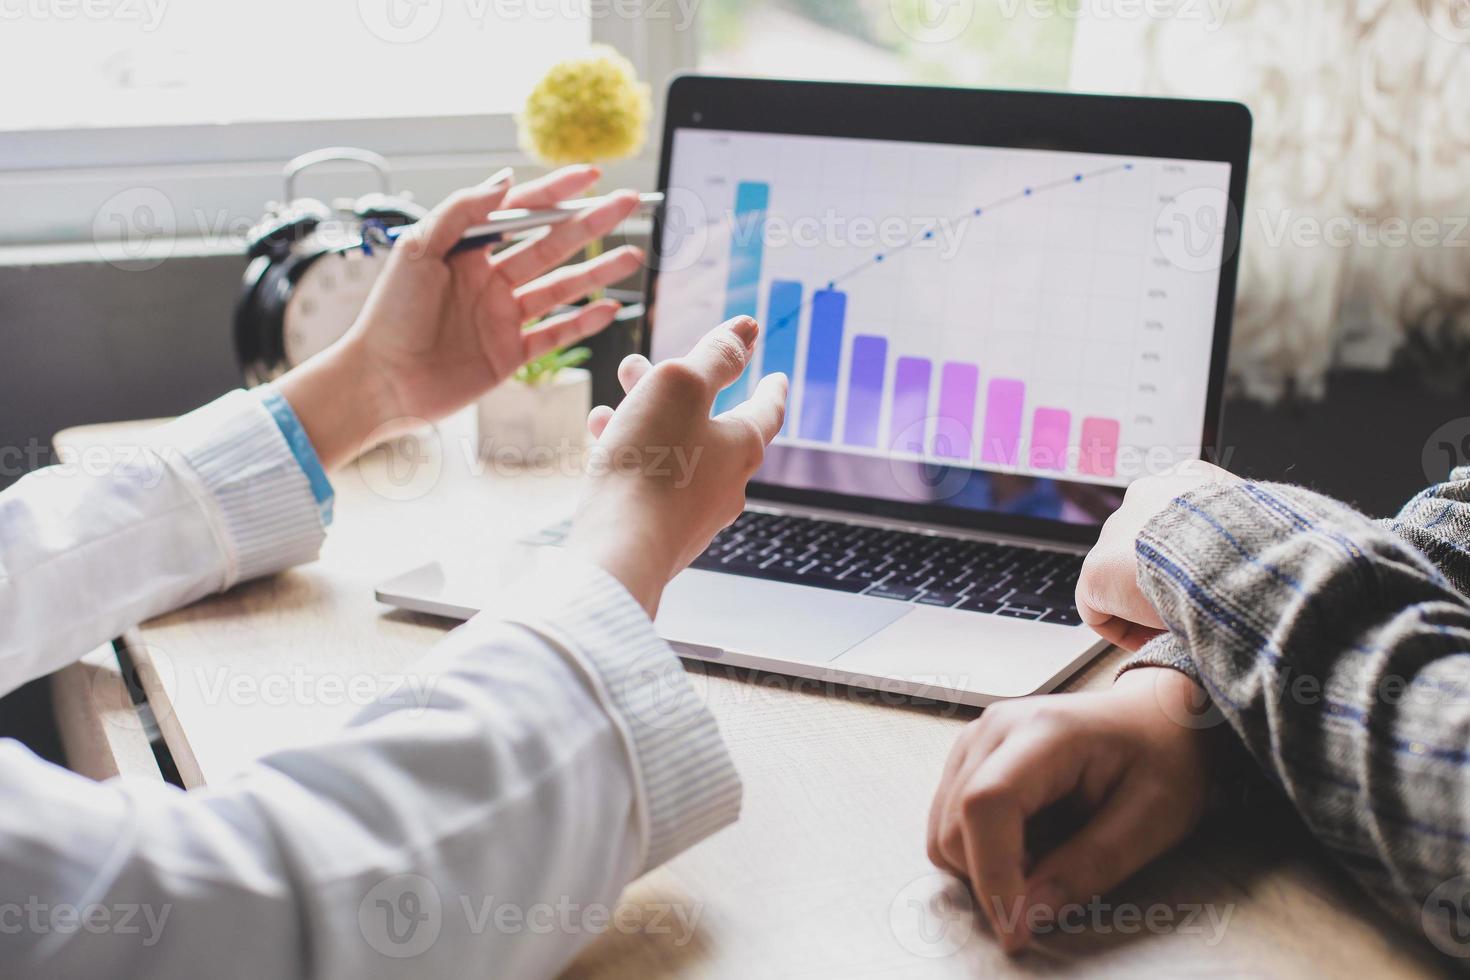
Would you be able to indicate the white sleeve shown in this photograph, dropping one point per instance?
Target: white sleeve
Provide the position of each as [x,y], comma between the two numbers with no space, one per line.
[485,830]
[111,537]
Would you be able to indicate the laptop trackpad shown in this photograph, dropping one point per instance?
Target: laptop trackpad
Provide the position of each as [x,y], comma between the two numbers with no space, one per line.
[769,619]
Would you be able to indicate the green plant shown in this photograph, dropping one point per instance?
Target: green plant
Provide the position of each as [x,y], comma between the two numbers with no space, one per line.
[547,366]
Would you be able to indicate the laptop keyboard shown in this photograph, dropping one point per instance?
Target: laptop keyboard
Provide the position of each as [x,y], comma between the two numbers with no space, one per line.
[955,573]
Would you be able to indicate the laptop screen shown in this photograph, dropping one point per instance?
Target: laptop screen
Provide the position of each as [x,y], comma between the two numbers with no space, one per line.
[1015,331]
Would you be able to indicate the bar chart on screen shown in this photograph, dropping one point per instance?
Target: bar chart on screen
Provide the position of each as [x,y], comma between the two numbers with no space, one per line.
[1000,309]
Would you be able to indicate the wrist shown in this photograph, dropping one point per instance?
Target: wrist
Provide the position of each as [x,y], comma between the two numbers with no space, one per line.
[340,401]
[626,552]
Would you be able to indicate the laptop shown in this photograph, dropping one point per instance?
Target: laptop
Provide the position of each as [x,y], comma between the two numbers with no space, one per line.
[997,309]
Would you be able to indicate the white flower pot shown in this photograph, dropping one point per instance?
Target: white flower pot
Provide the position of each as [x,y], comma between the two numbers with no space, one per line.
[535,421]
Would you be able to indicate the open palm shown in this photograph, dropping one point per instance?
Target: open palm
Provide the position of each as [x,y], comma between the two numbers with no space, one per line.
[442,329]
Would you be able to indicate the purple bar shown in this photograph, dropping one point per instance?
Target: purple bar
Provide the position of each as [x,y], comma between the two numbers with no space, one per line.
[1004,399]
[865,390]
[1099,450]
[1050,428]
[910,416]
[954,429]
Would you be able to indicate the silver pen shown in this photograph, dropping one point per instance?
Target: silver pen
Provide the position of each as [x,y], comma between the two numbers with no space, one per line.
[505,224]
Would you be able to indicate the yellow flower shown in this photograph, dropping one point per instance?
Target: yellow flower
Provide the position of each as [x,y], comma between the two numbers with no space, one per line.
[586,110]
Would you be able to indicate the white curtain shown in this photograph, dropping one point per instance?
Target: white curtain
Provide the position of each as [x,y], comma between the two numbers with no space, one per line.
[1354,232]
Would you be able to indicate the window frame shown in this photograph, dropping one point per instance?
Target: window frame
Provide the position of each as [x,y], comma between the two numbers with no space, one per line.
[217,178]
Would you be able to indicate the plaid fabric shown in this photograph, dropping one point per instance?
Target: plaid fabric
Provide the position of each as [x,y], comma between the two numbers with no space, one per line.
[1338,649]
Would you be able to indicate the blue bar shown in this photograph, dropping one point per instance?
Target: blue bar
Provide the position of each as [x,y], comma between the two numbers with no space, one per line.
[823,356]
[747,240]
[865,390]
[782,327]
[783,322]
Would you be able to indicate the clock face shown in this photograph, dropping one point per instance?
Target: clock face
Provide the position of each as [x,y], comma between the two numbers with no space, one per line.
[326,301]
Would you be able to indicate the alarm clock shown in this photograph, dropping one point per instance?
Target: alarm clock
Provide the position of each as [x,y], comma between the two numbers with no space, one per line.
[312,267]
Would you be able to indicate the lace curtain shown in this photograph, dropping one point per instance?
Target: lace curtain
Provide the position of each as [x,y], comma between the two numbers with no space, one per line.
[1355,237]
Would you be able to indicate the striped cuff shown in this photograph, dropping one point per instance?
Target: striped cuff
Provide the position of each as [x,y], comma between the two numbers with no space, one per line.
[301,448]
[259,500]
[1162,651]
[686,784]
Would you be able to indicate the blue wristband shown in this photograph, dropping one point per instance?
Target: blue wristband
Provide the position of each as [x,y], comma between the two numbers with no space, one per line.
[301,448]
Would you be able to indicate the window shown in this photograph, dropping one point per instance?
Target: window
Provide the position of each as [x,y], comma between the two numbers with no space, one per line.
[996,43]
[193,105]
[199,62]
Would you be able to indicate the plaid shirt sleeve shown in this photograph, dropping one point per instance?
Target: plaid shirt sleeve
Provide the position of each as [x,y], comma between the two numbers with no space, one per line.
[1338,649]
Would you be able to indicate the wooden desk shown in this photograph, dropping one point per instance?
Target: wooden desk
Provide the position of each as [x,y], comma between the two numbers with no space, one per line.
[825,874]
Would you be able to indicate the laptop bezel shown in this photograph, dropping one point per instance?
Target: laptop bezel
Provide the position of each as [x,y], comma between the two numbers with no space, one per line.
[1181,129]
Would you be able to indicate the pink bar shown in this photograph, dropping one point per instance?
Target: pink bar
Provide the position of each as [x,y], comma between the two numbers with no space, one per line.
[1099,447]
[1050,428]
[1004,399]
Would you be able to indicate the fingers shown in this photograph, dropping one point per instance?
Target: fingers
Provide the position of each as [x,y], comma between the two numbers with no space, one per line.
[1122,837]
[597,420]
[571,283]
[553,188]
[994,806]
[444,226]
[632,370]
[721,355]
[568,328]
[530,258]
[1108,586]
[766,408]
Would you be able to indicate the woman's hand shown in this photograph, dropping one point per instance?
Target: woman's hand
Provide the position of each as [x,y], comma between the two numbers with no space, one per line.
[664,476]
[440,330]
[1141,777]
[1108,597]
